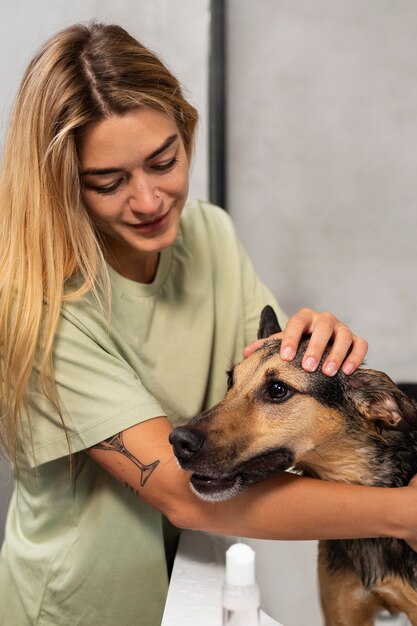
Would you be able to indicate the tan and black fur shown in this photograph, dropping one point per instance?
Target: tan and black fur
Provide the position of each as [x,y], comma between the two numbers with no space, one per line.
[356,429]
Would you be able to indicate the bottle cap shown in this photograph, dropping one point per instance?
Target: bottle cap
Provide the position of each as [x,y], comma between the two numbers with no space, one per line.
[240,565]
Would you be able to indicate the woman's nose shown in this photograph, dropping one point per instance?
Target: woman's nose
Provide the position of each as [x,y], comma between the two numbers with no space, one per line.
[144,196]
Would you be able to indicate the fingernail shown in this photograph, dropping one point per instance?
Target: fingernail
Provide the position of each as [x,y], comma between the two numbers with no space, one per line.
[330,369]
[288,353]
[310,364]
[348,368]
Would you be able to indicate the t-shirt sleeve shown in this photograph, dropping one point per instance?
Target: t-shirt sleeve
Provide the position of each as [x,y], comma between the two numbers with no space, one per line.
[255,296]
[99,395]
[232,260]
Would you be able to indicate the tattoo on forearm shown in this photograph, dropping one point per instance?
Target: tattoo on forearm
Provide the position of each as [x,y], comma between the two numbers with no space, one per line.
[115,444]
[132,489]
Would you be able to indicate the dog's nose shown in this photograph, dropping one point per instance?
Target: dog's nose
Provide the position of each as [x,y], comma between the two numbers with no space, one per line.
[186,442]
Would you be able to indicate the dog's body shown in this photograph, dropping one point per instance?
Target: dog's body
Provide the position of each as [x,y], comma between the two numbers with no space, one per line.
[357,429]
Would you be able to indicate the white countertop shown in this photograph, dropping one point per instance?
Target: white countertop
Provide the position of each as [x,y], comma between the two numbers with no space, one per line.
[194,595]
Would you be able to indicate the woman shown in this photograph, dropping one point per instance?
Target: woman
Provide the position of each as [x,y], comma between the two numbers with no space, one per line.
[121,309]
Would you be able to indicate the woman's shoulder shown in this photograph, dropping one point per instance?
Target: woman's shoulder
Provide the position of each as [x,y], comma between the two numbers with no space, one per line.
[84,310]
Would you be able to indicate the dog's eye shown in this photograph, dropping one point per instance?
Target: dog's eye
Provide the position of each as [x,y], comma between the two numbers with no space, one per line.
[229,379]
[277,390]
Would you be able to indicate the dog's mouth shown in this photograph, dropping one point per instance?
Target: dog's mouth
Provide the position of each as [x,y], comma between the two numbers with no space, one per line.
[216,488]
[222,486]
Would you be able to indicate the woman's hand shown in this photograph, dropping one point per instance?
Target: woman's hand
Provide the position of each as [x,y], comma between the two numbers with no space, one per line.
[347,350]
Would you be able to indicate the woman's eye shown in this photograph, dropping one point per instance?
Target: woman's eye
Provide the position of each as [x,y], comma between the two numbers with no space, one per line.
[163,167]
[277,390]
[105,189]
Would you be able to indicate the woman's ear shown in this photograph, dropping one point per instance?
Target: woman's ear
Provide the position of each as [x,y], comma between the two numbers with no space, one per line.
[377,398]
[268,323]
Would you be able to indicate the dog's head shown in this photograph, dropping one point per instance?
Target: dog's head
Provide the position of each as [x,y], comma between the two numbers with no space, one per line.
[275,415]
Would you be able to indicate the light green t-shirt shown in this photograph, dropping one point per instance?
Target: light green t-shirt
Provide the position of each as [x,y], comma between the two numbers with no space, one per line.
[86,551]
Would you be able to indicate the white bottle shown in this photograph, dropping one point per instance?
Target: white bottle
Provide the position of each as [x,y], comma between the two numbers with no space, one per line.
[240,596]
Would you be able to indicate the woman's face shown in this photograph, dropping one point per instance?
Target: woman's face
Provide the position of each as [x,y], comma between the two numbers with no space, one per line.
[134,173]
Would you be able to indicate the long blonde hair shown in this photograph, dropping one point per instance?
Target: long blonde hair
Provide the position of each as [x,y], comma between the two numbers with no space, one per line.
[79,76]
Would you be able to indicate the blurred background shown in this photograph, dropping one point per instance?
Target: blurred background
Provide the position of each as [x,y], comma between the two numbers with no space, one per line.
[320,163]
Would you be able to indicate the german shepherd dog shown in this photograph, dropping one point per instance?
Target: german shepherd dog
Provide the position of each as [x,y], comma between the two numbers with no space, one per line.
[353,429]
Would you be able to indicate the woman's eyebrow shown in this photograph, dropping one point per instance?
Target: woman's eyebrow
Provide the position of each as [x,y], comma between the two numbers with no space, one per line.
[92,171]
[100,172]
[170,140]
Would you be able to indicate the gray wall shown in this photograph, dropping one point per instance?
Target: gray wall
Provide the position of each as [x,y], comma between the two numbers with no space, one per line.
[323,161]
[178,32]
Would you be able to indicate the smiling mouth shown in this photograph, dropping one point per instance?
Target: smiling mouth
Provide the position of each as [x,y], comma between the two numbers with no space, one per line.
[224,486]
[154,224]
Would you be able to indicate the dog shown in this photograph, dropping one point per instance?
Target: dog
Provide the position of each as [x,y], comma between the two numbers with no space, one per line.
[357,429]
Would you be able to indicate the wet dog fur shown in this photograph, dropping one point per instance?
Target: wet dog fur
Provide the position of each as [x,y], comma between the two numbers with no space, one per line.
[355,429]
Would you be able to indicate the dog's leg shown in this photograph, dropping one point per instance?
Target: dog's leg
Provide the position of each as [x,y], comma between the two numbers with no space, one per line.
[412,616]
[399,597]
[344,600]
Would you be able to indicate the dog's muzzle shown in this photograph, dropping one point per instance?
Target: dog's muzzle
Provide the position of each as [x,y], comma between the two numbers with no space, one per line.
[211,481]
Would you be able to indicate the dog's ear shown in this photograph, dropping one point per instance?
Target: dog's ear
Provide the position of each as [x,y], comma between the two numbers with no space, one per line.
[268,323]
[377,397]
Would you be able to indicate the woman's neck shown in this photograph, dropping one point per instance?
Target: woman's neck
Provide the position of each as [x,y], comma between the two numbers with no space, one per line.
[141,269]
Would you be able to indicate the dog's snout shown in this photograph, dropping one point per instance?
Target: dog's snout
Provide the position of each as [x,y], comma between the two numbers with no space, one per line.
[186,442]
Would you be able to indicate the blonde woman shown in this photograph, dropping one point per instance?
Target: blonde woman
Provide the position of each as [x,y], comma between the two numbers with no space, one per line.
[121,307]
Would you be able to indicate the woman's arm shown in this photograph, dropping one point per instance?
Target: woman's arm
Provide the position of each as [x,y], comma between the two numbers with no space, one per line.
[282,507]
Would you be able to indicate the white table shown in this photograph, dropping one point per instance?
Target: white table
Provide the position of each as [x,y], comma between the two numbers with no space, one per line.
[194,595]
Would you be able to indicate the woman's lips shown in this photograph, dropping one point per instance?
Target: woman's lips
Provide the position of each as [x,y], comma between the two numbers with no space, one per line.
[153,225]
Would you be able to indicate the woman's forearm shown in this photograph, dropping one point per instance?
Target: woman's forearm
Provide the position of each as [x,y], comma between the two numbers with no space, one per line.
[294,507]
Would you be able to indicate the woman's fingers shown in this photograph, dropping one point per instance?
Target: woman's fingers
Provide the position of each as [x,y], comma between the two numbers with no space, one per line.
[320,326]
[315,349]
[346,350]
[356,356]
[258,344]
[297,326]
[343,340]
